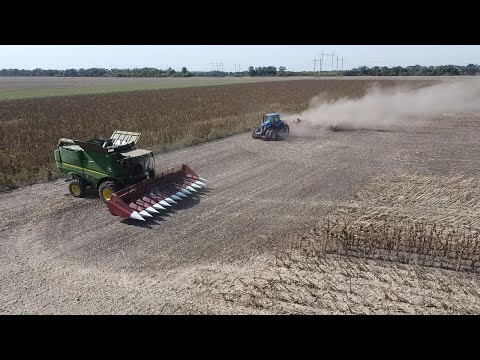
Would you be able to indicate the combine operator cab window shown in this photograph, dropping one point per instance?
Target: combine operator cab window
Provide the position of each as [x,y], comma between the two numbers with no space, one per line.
[137,166]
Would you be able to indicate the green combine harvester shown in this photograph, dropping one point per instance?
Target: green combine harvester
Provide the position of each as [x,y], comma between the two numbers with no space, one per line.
[123,175]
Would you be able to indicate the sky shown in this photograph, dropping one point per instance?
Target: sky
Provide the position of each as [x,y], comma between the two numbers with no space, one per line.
[233,57]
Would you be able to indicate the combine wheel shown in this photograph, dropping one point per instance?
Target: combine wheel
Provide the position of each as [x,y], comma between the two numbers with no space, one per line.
[77,187]
[106,190]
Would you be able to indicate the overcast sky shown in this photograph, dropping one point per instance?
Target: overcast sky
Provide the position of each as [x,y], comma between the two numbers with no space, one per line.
[200,57]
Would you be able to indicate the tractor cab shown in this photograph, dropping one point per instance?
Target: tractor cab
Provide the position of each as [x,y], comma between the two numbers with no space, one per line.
[272,128]
[271,120]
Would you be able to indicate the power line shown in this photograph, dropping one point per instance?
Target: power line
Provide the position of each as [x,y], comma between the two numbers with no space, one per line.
[219,66]
[321,63]
[334,58]
[333,53]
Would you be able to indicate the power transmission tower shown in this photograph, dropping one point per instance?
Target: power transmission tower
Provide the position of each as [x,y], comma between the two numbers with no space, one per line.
[342,66]
[336,71]
[314,64]
[211,65]
[322,54]
[321,63]
[333,53]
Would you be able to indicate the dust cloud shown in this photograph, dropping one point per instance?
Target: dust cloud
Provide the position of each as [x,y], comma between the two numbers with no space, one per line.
[382,108]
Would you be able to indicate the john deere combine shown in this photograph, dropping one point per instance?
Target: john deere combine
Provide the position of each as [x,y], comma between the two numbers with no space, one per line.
[123,175]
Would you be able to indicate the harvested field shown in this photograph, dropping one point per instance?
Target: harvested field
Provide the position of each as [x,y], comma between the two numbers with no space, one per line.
[255,242]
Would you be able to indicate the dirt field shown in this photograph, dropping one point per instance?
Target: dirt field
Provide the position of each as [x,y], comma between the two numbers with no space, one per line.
[238,247]
[27,87]
[30,83]
[16,82]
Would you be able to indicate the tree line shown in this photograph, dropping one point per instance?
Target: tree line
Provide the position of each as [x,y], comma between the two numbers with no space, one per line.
[417,70]
[150,72]
[99,72]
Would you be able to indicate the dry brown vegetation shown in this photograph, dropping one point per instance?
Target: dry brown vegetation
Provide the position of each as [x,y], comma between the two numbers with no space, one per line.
[407,244]
[167,119]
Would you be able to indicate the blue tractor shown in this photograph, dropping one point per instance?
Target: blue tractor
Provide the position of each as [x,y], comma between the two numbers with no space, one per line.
[272,128]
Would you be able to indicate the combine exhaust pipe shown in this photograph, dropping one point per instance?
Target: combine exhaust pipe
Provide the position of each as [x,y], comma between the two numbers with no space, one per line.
[151,196]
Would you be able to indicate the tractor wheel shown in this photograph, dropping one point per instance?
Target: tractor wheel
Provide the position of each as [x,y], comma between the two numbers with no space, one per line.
[77,187]
[273,135]
[268,134]
[286,131]
[106,190]
[254,133]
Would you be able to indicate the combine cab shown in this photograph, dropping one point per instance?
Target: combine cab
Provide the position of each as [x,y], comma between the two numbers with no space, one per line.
[123,175]
[272,128]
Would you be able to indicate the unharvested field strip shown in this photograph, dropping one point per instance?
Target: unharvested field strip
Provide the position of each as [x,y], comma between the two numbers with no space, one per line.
[425,220]
[167,119]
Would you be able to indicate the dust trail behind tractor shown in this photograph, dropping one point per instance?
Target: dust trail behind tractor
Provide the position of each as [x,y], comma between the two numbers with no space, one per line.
[151,196]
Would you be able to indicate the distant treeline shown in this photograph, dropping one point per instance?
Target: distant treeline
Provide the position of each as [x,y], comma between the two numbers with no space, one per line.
[98,72]
[152,72]
[417,70]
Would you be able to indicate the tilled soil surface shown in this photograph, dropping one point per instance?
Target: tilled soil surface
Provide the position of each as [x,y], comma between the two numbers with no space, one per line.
[60,254]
